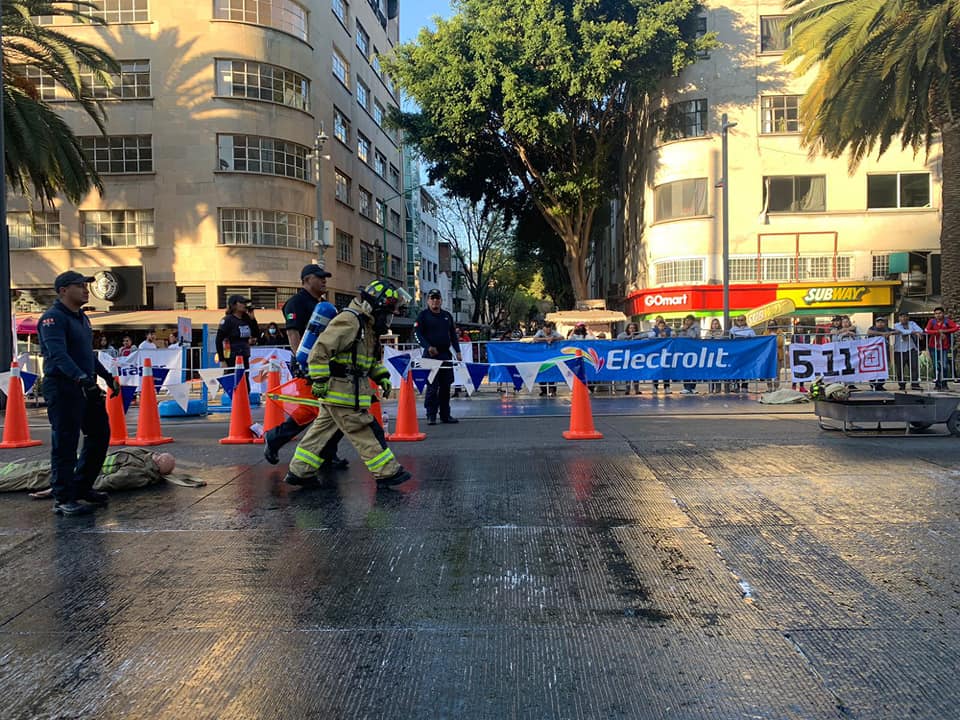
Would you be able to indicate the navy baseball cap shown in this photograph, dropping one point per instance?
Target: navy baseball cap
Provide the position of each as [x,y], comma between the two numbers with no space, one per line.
[434,293]
[70,277]
[314,269]
[234,299]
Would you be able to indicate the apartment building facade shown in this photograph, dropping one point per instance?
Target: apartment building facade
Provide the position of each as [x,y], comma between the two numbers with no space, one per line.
[800,227]
[217,177]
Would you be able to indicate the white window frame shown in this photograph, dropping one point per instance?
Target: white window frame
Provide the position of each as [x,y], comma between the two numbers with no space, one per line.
[28,231]
[341,68]
[119,154]
[286,16]
[264,228]
[678,191]
[136,228]
[899,191]
[262,82]
[680,271]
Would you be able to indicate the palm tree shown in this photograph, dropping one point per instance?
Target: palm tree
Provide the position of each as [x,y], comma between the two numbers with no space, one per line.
[886,70]
[41,152]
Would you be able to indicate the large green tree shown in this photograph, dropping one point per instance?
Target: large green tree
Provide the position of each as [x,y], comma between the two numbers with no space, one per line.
[43,157]
[886,70]
[528,99]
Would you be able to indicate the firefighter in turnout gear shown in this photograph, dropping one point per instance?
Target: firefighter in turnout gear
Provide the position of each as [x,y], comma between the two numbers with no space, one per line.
[342,359]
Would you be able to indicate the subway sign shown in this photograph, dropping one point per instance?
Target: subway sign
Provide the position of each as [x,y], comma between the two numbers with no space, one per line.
[835,295]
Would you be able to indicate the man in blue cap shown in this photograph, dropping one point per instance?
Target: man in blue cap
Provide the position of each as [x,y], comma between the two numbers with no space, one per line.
[75,402]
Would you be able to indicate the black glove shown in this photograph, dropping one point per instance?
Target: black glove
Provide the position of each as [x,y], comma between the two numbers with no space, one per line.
[114,387]
[90,389]
[297,370]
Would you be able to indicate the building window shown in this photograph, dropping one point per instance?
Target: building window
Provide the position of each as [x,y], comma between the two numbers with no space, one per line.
[365,202]
[41,230]
[378,113]
[344,247]
[341,8]
[379,163]
[284,15]
[380,209]
[255,154]
[780,114]
[341,127]
[774,36]
[363,41]
[789,268]
[684,198]
[795,193]
[396,267]
[271,228]
[117,11]
[341,187]
[684,119]
[47,88]
[363,95]
[881,267]
[363,148]
[260,81]
[701,30]
[341,68]
[394,178]
[898,190]
[116,154]
[368,257]
[117,228]
[341,300]
[675,272]
[395,222]
[375,61]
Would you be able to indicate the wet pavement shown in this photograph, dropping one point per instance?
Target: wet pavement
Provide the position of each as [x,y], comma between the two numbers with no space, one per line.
[700,561]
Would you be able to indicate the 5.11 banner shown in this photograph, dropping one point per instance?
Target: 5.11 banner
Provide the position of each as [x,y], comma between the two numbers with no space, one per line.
[851,361]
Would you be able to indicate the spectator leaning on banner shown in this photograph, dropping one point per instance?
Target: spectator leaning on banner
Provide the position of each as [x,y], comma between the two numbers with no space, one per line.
[632,332]
[739,331]
[879,329]
[906,351]
[548,334]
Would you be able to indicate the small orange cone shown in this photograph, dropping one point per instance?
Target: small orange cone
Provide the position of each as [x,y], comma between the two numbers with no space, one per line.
[273,410]
[375,403]
[240,417]
[16,432]
[407,428]
[118,421]
[581,416]
[148,424]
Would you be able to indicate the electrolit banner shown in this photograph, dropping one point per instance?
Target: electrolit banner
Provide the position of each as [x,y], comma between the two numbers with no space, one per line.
[664,359]
[849,361]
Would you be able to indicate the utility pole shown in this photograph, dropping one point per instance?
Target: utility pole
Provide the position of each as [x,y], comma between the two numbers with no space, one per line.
[319,241]
[7,347]
[725,191]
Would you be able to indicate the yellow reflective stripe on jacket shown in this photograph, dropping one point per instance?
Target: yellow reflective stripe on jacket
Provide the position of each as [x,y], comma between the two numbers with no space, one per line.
[318,370]
[346,399]
[109,464]
[379,372]
[380,460]
[314,461]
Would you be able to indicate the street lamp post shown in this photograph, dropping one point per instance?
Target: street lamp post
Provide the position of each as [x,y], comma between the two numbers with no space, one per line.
[319,241]
[383,218]
[725,191]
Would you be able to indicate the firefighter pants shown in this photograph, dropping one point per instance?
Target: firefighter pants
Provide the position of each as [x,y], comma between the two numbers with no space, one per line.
[361,429]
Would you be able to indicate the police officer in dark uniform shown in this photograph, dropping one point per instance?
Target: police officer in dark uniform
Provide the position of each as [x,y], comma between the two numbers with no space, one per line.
[437,334]
[238,327]
[75,402]
[297,311]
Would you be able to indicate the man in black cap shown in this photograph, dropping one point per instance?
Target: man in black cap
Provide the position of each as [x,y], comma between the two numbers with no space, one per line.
[75,402]
[237,328]
[436,332]
[297,311]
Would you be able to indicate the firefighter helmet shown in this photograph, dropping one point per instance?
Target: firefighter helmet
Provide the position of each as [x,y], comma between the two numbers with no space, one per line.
[384,294]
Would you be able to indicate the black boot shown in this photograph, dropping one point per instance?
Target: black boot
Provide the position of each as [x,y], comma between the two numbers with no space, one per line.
[278,437]
[400,476]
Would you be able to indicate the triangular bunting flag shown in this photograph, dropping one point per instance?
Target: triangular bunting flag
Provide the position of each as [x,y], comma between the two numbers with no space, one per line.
[515,377]
[5,381]
[400,362]
[477,372]
[228,383]
[209,377]
[180,394]
[529,371]
[159,375]
[420,377]
[566,371]
[432,365]
[28,380]
[127,394]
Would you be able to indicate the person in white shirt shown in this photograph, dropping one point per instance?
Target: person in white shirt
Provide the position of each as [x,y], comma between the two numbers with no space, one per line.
[151,342]
[906,351]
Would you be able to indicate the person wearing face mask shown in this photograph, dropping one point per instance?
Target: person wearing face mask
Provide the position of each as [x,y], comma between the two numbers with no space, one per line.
[343,357]
[272,337]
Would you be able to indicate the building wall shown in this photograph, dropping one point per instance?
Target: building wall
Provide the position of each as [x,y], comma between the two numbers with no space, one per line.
[732,80]
[188,187]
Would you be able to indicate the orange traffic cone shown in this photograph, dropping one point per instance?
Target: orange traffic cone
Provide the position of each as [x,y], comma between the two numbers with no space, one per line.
[581,416]
[118,421]
[375,404]
[148,424]
[273,410]
[16,432]
[407,428]
[240,417]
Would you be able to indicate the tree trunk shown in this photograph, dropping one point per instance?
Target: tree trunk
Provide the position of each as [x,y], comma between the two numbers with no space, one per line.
[950,226]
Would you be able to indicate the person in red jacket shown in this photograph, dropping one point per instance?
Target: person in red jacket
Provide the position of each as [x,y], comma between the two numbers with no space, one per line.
[939,330]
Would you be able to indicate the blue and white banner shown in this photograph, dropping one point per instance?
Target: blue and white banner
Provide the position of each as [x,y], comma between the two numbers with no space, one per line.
[667,359]
[851,361]
[167,366]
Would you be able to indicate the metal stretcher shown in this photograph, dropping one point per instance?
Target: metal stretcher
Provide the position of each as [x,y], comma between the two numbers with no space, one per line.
[875,409]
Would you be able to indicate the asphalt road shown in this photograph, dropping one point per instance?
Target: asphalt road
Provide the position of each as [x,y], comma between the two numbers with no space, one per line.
[698,562]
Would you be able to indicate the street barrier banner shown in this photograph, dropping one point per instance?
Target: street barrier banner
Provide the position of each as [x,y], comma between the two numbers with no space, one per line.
[849,361]
[167,366]
[621,360]
[260,365]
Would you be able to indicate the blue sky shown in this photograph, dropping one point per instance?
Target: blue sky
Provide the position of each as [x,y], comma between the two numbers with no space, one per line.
[415,14]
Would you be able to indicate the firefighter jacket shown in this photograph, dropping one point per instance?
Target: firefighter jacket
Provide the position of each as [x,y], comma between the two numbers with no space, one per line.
[345,355]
